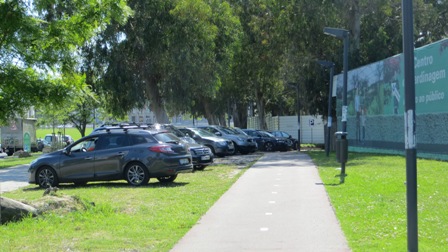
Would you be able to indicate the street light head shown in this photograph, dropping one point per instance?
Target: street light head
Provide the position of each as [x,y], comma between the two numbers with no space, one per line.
[336,32]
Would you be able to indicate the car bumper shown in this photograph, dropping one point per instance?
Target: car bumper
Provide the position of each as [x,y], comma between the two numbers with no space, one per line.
[202,160]
[226,150]
[248,148]
[282,146]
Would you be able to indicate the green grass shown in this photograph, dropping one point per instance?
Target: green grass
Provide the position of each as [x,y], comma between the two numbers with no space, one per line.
[124,218]
[14,161]
[371,204]
[73,132]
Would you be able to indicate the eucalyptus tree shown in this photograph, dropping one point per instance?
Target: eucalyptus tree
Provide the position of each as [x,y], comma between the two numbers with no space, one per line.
[258,63]
[38,40]
[213,40]
[301,26]
[172,54]
[376,27]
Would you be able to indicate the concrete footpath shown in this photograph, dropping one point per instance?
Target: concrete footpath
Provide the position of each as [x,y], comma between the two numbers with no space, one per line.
[13,178]
[279,204]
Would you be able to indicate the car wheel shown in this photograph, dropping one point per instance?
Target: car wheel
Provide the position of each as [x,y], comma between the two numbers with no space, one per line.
[47,177]
[296,145]
[167,179]
[136,174]
[211,148]
[269,146]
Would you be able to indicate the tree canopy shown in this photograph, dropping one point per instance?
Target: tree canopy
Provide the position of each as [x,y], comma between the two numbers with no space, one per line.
[212,58]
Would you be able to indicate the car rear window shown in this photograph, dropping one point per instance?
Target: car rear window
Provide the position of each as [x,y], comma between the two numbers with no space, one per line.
[166,137]
[139,139]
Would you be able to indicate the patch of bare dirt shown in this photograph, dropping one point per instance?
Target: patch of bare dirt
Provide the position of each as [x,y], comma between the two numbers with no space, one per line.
[240,161]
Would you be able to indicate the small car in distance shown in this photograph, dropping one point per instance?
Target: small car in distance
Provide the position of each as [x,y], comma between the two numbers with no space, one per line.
[112,154]
[52,138]
[243,143]
[293,143]
[267,141]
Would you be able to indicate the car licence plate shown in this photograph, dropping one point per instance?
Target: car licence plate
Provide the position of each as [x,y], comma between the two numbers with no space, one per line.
[184,161]
[207,157]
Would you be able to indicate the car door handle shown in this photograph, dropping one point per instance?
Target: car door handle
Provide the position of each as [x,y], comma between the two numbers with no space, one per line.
[88,158]
[121,154]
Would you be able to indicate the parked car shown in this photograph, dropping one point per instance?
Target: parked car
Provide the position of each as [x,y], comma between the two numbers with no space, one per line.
[267,141]
[41,144]
[292,142]
[220,146]
[202,155]
[243,143]
[112,154]
[52,138]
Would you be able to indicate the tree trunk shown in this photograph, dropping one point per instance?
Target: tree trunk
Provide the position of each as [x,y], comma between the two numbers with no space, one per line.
[156,102]
[355,23]
[240,115]
[222,120]
[211,118]
[261,111]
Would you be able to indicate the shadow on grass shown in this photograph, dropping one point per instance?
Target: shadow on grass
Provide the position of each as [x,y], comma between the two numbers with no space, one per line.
[330,184]
[341,181]
[111,185]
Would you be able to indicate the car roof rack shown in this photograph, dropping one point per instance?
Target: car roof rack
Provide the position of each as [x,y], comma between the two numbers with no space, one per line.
[125,126]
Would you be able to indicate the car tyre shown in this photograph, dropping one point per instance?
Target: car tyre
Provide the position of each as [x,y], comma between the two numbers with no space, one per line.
[269,146]
[136,174]
[167,179]
[47,177]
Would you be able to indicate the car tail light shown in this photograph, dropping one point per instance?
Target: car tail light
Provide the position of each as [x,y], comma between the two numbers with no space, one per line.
[162,149]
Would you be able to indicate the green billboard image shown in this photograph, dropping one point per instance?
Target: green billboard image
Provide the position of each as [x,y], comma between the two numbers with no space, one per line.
[375,99]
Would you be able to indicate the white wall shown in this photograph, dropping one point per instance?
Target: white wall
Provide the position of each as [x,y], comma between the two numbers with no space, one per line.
[312,128]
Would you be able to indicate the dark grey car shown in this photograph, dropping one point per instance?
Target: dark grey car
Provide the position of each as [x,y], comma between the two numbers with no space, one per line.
[243,143]
[202,155]
[112,154]
[220,146]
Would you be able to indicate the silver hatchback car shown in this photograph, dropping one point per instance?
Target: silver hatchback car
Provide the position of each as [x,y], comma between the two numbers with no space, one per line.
[112,154]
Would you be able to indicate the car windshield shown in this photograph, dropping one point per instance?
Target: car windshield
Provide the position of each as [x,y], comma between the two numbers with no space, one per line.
[227,131]
[166,137]
[239,131]
[203,133]
[264,133]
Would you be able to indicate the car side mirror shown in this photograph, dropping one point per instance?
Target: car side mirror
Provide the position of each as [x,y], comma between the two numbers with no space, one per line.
[218,134]
[66,151]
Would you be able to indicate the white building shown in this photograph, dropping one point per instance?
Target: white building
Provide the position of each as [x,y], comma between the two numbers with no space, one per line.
[144,115]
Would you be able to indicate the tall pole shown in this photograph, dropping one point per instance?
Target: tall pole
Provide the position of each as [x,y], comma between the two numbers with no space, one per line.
[344,99]
[328,64]
[298,118]
[330,118]
[342,34]
[409,122]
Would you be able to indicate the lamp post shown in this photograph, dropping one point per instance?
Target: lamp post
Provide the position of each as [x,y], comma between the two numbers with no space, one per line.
[409,122]
[343,35]
[328,64]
